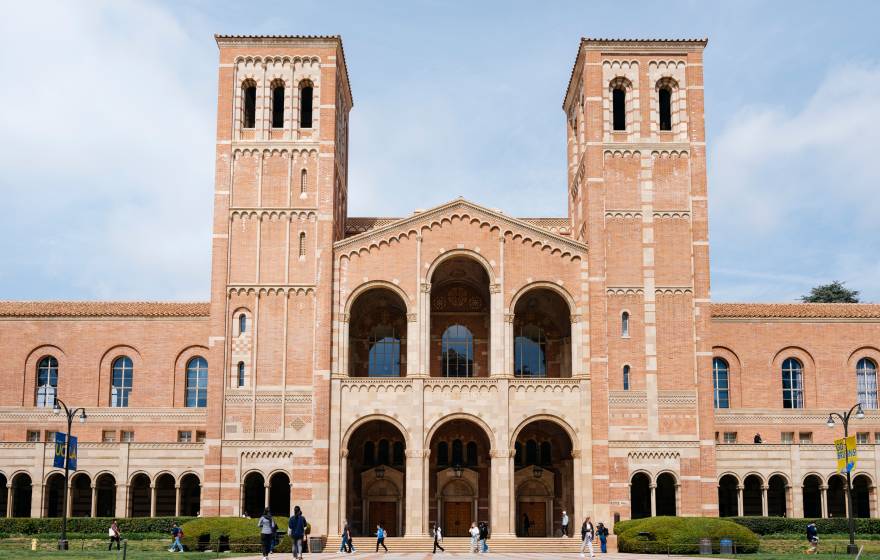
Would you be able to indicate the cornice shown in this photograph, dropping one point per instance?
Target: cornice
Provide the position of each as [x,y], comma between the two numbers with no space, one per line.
[107,414]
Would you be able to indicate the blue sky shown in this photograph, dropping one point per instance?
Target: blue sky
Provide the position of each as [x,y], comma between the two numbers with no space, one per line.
[108,116]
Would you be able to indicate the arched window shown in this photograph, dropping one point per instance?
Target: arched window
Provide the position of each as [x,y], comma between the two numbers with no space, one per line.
[866,378]
[530,352]
[443,453]
[249,104]
[624,324]
[123,372]
[302,245]
[278,105]
[458,352]
[47,382]
[303,181]
[384,452]
[531,452]
[618,102]
[721,383]
[626,378]
[546,457]
[305,104]
[384,352]
[241,374]
[792,384]
[471,449]
[457,452]
[242,323]
[197,382]
[369,453]
[665,97]
[397,453]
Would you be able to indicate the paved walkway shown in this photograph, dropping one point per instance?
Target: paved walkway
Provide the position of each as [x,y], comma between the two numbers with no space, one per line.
[490,556]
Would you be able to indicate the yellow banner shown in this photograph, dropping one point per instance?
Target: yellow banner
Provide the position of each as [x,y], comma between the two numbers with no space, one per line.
[847,454]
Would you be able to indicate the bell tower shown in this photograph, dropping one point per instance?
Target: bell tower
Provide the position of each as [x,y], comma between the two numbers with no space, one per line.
[280,203]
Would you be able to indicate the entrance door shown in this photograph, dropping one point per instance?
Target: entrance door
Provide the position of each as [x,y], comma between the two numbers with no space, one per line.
[457,518]
[537,512]
[384,513]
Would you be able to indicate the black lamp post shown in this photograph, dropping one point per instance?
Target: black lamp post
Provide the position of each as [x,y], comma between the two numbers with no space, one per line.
[851,547]
[62,542]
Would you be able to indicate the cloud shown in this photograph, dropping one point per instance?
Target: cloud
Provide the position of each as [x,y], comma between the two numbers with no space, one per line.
[793,193]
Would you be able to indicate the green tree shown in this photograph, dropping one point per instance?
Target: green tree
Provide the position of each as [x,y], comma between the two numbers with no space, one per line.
[835,292]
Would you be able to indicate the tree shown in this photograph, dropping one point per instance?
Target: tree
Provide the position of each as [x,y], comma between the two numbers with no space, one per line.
[835,292]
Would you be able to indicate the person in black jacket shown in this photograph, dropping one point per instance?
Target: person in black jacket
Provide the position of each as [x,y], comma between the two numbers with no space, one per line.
[484,536]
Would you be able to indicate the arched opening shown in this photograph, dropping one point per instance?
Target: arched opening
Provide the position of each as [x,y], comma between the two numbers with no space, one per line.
[376,479]
[666,495]
[303,181]
[792,383]
[166,495]
[459,492]
[626,377]
[837,496]
[812,499]
[302,245]
[279,494]
[861,495]
[460,319]
[618,101]
[278,104]
[53,504]
[721,383]
[4,495]
[81,495]
[139,496]
[240,374]
[728,501]
[377,335]
[543,479]
[105,495]
[866,382]
[624,324]
[664,95]
[22,489]
[542,335]
[190,495]
[122,378]
[777,502]
[752,499]
[47,382]
[242,323]
[254,499]
[249,104]
[640,496]
[196,387]
[305,104]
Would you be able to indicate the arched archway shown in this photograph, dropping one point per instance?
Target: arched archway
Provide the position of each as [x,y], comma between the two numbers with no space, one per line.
[105,495]
[166,495]
[467,499]
[640,496]
[81,495]
[543,478]
[666,495]
[253,498]
[777,499]
[753,502]
[279,494]
[728,500]
[861,496]
[375,478]
[812,498]
[377,334]
[837,496]
[22,492]
[190,495]
[4,495]
[139,496]
[542,335]
[53,492]
[460,319]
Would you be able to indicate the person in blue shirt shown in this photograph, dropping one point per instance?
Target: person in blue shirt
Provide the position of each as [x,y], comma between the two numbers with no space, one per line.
[296,528]
[813,537]
[380,537]
[176,533]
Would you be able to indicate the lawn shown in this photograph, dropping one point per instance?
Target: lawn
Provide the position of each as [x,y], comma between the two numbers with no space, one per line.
[97,554]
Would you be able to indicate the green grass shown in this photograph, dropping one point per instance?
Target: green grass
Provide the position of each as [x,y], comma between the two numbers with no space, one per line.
[98,555]
[799,555]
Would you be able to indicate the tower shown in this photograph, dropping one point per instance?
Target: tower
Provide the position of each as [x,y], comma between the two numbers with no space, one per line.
[637,196]
[280,203]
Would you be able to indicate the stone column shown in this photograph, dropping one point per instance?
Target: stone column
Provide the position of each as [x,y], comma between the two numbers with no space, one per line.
[343,491]
[38,499]
[70,497]
[240,498]
[653,488]
[509,349]
[266,488]
[501,506]
[94,508]
[823,499]
[496,331]
[152,500]
[764,505]
[9,500]
[425,327]
[739,500]
[415,493]
[678,499]
[177,500]
[121,500]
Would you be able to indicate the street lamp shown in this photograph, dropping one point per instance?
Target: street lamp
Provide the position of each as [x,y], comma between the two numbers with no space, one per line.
[860,414]
[56,409]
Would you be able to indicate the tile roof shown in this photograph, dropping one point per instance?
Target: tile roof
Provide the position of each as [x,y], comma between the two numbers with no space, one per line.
[355,226]
[795,311]
[102,309]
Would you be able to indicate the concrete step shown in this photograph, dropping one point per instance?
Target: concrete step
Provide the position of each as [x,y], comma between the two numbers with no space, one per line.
[462,544]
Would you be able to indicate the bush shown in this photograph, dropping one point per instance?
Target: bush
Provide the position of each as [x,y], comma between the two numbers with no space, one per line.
[91,525]
[681,535]
[232,534]
[798,526]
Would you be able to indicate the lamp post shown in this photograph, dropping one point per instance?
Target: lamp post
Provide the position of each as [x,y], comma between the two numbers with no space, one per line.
[860,414]
[62,542]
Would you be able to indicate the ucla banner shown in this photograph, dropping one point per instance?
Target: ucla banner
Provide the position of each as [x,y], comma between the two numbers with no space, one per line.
[61,450]
[847,454]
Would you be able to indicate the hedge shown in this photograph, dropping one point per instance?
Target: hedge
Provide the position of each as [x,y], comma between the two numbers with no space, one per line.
[232,534]
[796,526]
[89,525]
[681,535]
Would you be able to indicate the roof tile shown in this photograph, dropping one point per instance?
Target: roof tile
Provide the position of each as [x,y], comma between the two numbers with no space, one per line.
[795,311]
[102,309]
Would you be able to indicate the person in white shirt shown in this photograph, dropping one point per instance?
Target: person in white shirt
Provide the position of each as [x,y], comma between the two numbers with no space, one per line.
[587,533]
[475,537]
[564,523]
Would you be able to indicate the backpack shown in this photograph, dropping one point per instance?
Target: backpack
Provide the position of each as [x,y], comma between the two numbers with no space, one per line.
[380,533]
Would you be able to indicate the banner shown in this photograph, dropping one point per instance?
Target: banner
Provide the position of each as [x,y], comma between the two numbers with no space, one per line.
[71,460]
[847,454]
[61,449]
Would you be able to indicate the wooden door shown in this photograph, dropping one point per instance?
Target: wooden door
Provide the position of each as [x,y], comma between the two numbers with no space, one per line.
[537,512]
[384,513]
[457,518]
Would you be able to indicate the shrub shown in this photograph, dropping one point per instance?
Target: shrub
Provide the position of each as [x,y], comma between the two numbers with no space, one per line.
[681,535]
[234,534]
[90,525]
[798,526]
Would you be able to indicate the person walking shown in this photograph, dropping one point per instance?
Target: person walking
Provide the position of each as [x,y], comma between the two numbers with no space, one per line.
[564,523]
[813,538]
[114,534]
[380,537]
[438,538]
[347,545]
[267,532]
[296,528]
[526,524]
[587,533]
[475,535]
[176,534]
[602,531]
[484,537]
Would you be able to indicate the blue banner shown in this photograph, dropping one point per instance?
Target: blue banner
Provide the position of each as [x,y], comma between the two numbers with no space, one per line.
[71,459]
[60,442]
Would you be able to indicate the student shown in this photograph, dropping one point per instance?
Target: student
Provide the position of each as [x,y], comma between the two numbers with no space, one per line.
[438,538]
[115,535]
[380,537]
[587,533]
[267,532]
[176,534]
[484,537]
[602,531]
[296,528]
[813,538]
[564,523]
[475,536]
[347,545]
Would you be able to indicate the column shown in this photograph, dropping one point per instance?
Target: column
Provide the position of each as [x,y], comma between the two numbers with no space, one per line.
[501,506]
[121,509]
[343,490]
[177,500]
[653,488]
[152,500]
[69,497]
[266,488]
[9,500]
[240,498]
[764,505]
[496,331]
[414,493]
[823,498]
[739,500]
[94,509]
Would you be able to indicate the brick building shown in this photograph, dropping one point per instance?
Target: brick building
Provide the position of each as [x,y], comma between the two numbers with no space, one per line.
[454,364]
